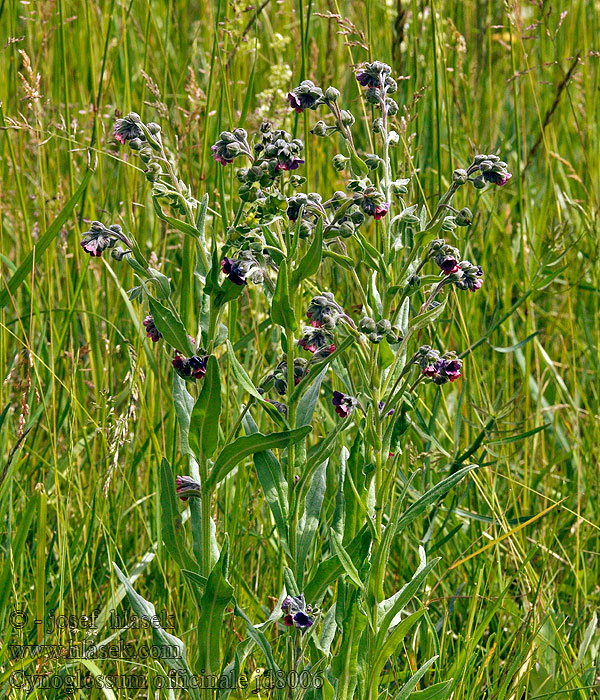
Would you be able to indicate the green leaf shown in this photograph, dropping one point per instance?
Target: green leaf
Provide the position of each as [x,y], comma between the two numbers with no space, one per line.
[308,402]
[43,242]
[309,265]
[406,691]
[174,649]
[177,224]
[308,523]
[184,404]
[388,648]
[273,483]
[427,317]
[204,422]
[437,691]
[344,665]
[340,259]
[390,609]
[217,595]
[171,524]
[237,451]
[345,559]
[171,326]
[282,312]
[431,497]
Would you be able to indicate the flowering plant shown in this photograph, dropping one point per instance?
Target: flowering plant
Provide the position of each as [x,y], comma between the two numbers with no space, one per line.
[349,284]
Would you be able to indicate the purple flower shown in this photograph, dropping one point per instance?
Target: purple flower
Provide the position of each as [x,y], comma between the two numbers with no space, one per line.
[302,620]
[469,276]
[127,128]
[447,264]
[292,164]
[445,369]
[496,178]
[381,211]
[344,404]
[99,238]
[151,330]
[306,96]
[297,612]
[315,338]
[96,246]
[294,102]
[234,270]
[190,368]
[186,487]
[373,75]
[217,155]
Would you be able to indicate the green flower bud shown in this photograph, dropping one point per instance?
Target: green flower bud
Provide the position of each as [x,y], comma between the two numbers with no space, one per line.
[464,217]
[320,129]
[136,144]
[332,94]
[339,162]
[372,161]
[459,176]
[153,128]
[347,118]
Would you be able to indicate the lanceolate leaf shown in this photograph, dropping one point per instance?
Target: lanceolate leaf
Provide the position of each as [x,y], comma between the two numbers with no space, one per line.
[174,650]
[282,312]
[344,664]
[171,523]
[217,595]
[239,449]
[204,423]
[272,480]
[309,264]
[171,326]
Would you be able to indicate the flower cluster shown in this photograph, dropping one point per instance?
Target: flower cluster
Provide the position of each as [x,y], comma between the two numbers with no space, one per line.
[492,170]
[239,271]
[151,330]
[376,331]
[376,77]
[274,152]
[297,612]
[306,96]
[324,311]
[190,368]
[231,145]
[279,377]
[462,273]
[439,368]
[318,341]
[146,142]
[344,404]
[99,238]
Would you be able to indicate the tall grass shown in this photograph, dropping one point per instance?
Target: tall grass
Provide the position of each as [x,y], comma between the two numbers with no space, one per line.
[86,405]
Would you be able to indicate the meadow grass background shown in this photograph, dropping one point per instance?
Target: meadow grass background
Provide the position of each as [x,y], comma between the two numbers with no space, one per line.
[86,402]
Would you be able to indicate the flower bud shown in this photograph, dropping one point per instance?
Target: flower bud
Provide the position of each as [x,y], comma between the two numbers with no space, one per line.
[464,217]
[372,161]
[347,118]
[332,94]
[153,128]
[339,162]
[136,144]
[459,176]
[320,129]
